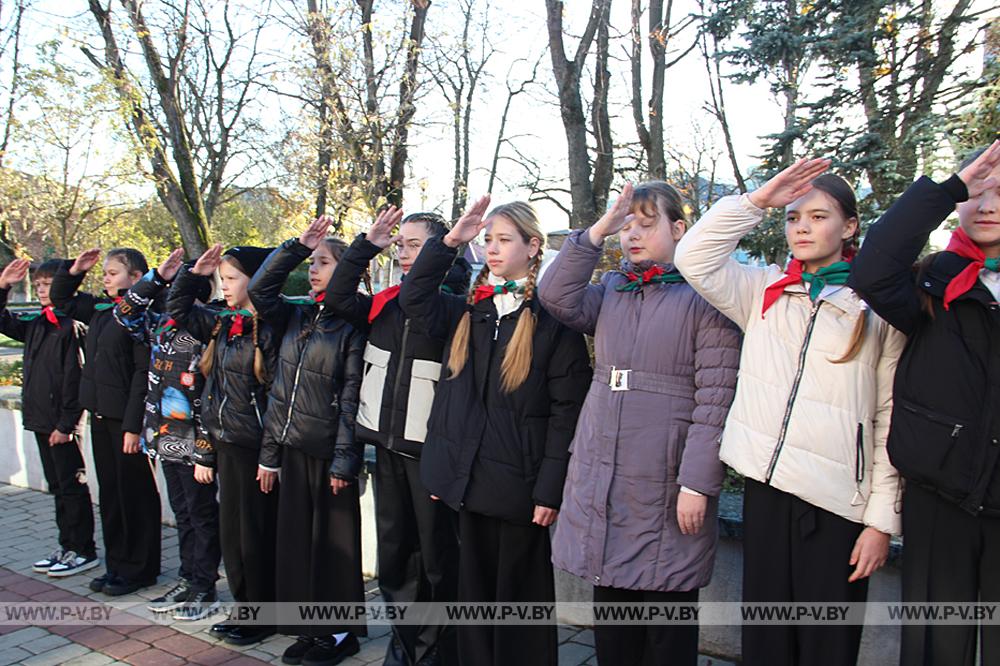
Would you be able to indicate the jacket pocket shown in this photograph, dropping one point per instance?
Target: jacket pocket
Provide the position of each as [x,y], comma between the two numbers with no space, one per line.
[424,376]
[373,386]
[932,448]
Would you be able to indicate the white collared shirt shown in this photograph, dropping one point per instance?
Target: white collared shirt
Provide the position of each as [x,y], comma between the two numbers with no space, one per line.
[506,303]
[991,280]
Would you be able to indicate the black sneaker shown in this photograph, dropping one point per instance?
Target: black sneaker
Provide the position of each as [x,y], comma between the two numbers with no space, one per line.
[172,598]
[248,635]
[199,604]
[222,629]
[121,586]
[294,653]
[71,563]
[327,651]
[97,585]
[44,564]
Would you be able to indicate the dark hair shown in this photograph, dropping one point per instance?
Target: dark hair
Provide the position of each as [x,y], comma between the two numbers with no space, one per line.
[842,194]
[971,156]
[435,224]
[46,269]
[134,260]
[336,246]
[648,197]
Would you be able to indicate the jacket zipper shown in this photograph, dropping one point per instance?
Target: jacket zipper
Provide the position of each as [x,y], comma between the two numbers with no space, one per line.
[256,409]
[795,390]
[295,382]
[956,430]
[395,384]
[859,462]
[225,392]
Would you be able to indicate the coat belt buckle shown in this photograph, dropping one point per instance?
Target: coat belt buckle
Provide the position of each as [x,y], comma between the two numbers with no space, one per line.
[619,379]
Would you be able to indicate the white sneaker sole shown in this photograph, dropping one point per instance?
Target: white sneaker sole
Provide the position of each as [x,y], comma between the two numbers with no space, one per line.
[87,566]
[165,608]
[205,612]
[38,569]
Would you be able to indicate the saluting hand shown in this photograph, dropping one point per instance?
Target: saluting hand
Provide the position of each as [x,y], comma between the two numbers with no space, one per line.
[790,184]
[168,269]
[316,232]
[380,233]
[977,176]
[209,261]
[469,225]
[14,272]
[615,219]
[87,260]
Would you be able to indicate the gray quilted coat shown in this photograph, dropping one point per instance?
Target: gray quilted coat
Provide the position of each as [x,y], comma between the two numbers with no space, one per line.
[633,449]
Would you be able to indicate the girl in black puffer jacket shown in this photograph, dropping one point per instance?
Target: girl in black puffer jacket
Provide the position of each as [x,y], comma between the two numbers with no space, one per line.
[309,435]
[512,384]
[238,363]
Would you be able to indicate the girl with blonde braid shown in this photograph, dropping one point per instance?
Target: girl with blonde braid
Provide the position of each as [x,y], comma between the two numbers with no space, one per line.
[238,364]
[512,384]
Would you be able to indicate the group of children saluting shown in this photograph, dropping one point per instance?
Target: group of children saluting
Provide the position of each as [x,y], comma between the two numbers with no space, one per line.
[816,382]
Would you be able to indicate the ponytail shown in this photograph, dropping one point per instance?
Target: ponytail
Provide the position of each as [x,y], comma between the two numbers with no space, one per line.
[517,358]
[857,338]
[208,356]
[459,352]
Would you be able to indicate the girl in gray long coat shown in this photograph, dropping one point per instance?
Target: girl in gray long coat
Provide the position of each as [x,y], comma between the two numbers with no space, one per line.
[639,507]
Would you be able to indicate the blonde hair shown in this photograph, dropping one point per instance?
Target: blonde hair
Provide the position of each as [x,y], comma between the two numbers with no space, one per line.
[208,356]
[857,338]
[516,362]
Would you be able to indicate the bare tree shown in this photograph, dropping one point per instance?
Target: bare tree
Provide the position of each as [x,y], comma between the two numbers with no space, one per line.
[457,73]
[513,90]
[351,107]
[10,42]
[661,33]
[185,110]
[590,178]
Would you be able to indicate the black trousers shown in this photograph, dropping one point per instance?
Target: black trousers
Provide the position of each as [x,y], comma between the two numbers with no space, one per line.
[795,552]
[66,477]
[949,556]
[501,561]
[129,504]
[417,555]
[645,645]
[197,515]
[247,524]
[320,535]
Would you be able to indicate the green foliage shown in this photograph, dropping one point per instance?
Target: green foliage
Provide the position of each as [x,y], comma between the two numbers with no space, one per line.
[12,373]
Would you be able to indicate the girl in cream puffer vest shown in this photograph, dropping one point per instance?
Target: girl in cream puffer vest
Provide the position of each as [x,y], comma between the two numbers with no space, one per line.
[811,415]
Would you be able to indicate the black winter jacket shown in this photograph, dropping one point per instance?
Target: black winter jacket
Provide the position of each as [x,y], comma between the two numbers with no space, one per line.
[172,426]
[314,397]
[945,433]
[233,402]
[402,363]
[487,451]
[53,358]
[113,381]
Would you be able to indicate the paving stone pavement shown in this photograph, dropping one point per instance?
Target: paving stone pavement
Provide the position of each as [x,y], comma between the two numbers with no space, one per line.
[27,532]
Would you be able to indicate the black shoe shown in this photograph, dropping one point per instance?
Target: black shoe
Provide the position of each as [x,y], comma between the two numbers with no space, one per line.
[222,629]
[122,586]
[171,599]
[244,635]
[298,649]
[199,604]
[328,652]
[97,585]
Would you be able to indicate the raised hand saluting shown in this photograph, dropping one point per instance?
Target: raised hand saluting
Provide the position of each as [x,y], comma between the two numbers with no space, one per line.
[470,224]
[14,272]
[615,219]
[168,269]
[86,261]
[316,232]
[209,261]
[978,176]
[380,233]
[789,184]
